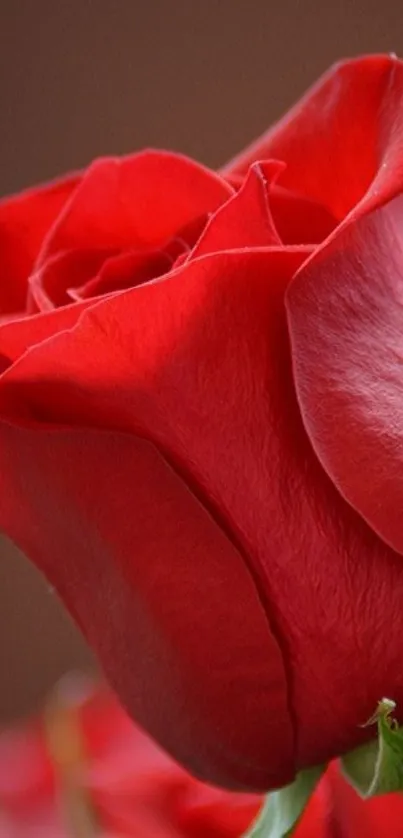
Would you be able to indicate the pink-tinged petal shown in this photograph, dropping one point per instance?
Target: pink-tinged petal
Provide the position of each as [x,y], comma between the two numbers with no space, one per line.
[136,201]
[100,721]
[345,316]
[134,779]
[162,595]
[44,822]
[337,137]
[245,220]
[199,363]
[26,774]
[25,220]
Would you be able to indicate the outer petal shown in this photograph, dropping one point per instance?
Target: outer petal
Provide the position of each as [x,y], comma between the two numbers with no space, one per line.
[199,363]
[345,315]
[24,222]
[18,336]
[162,595]
[337,137]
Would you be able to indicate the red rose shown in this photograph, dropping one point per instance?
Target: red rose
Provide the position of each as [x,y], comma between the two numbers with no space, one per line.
[84,765]
[200,439]
[83,768]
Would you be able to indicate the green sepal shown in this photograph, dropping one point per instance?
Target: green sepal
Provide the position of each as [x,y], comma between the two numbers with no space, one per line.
[377,767]
[283,808]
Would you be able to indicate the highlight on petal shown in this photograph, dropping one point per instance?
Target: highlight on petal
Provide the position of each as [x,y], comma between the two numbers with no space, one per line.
[168,603]
[345,319]
[137,201]
[25,220]
[337,138]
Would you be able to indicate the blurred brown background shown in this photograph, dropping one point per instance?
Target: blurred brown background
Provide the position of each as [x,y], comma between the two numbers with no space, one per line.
[80,79]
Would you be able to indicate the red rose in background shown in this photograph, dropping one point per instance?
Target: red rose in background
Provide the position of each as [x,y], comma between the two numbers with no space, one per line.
[200,427]
[83,769]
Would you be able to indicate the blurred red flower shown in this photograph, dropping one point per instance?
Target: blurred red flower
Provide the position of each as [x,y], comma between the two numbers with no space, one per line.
[84,770]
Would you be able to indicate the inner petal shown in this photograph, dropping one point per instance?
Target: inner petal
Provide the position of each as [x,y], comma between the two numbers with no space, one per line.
[48,286]
[126,270]
[299,219]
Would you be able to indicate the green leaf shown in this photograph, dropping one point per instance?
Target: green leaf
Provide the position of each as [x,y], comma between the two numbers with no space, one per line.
[283,808]
[377,768]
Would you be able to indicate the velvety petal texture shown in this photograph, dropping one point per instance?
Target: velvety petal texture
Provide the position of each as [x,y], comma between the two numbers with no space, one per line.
[146,573]
[345,313]
[200,444]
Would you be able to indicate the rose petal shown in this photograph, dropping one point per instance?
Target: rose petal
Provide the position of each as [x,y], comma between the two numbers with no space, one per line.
[49,284]
[136,201]
[345,315]
[124,271]
[156,586]
[17,336]
[299,220]
[245,220]
[26,774]
[334,139]
[136,336]
[25,220]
